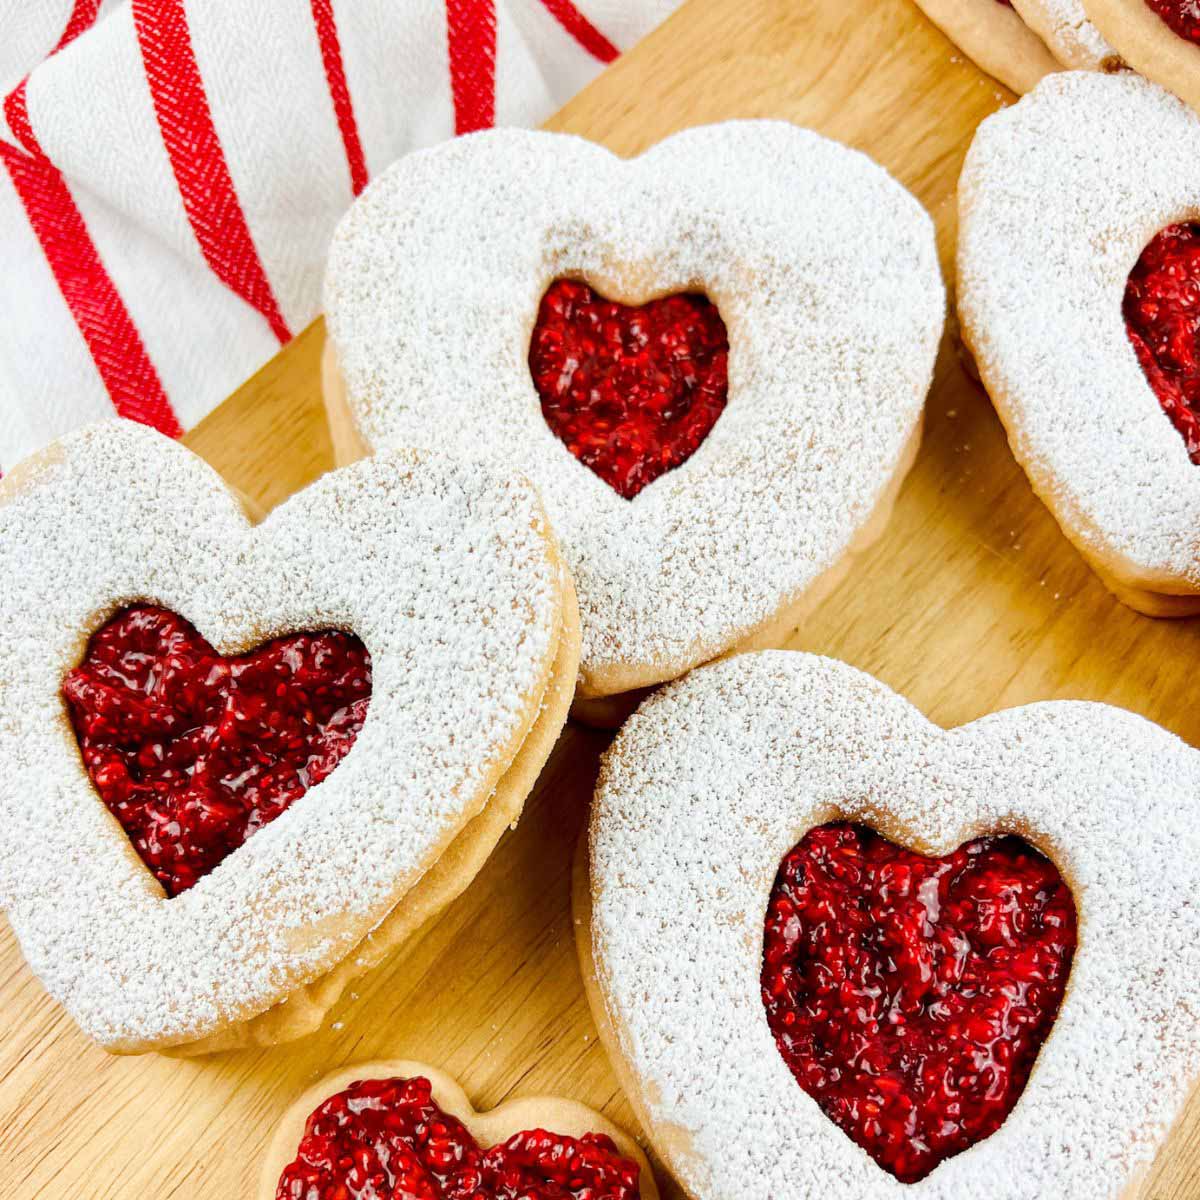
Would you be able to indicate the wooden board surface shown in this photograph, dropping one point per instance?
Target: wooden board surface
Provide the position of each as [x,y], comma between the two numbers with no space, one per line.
[973,601]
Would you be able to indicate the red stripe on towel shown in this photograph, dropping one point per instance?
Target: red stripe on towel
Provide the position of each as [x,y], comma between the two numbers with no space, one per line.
[339,92]
[581,29]
[99,313]
[471,34]
[197,158]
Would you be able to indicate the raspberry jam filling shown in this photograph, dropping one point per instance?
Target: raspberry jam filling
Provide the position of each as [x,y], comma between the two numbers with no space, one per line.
[910,995]
[193,752]
[631,391]
[387,1139]
[1162,318]
[1182,17]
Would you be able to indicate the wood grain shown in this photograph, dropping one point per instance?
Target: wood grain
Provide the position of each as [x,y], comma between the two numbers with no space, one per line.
[972,601]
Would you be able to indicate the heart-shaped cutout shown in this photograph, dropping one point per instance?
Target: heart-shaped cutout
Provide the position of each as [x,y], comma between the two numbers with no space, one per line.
[909,995]
[407,1130]
[193,752]
[1162,319]
[631,391]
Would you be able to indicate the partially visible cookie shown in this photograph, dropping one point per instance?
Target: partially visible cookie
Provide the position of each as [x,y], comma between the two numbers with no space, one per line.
[1159,38]
[836,951]
[242,762]
[1079,297]
[993,35]
[1072,38]
[406,1129]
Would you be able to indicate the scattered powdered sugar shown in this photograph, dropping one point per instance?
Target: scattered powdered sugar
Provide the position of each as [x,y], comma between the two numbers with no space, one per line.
[1058,197]
[717,776]
[825,272]
[1072,38]
[443,570]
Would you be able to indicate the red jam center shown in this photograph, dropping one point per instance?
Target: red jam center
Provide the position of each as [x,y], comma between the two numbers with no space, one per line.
[1180,16]
[631,391]
[1162,318]
[910,995]
[193,752]
[387,1139]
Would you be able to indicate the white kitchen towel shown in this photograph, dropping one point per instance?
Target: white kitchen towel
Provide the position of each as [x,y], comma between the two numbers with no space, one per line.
[171,171]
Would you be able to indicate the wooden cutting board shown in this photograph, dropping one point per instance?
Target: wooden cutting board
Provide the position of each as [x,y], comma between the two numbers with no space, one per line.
[973,601]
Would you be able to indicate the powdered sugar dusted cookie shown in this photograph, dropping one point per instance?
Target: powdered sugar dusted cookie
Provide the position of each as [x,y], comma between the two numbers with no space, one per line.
[1064,27]
[242,762]
[1160,38]
[408,1129]
[798,884]
[711,360]
[993,35]
[1078,298]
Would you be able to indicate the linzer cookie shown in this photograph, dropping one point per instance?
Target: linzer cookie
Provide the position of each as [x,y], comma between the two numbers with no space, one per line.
[243,763]
[711,360]
[1079,272]
[835,950]
[405,1129]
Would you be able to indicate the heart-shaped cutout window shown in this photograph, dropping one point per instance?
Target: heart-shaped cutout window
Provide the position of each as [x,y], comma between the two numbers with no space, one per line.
[630,391]
[1162,319]
[909,995]
[193,752]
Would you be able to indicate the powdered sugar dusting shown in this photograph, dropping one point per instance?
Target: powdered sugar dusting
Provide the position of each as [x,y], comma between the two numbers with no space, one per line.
[1059,196]
[443,570]
[719,775]
[825,272]
[1065,28]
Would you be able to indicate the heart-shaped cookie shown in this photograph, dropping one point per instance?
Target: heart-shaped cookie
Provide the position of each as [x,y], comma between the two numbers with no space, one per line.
[726,797]
[821,270]
[369,1131]
[1066,298]
[450,577]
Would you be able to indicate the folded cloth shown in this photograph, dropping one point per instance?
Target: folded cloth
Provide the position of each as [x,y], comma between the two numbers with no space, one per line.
[171,171]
